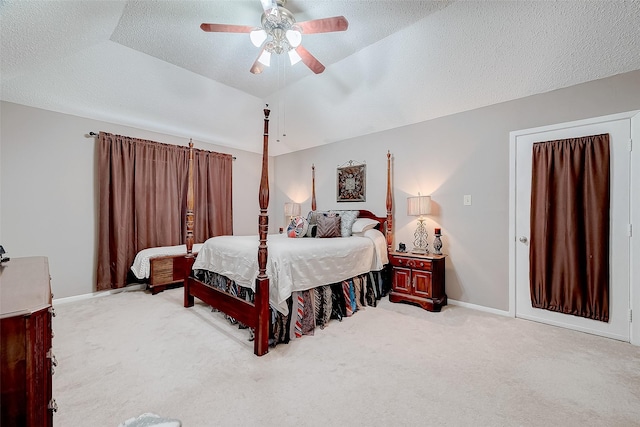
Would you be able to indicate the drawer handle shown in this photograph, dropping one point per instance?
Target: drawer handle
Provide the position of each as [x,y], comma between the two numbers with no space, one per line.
[53,406]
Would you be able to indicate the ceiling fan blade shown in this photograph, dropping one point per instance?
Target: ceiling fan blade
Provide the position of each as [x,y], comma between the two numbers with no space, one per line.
[324,25]
[310,60]
[258,66]
[226,28]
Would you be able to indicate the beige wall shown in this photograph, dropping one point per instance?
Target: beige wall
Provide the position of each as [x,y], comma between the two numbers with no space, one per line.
[48,197]
[48,182]
[448,157]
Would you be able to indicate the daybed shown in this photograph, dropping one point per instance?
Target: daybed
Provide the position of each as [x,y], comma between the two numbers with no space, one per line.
[161,267]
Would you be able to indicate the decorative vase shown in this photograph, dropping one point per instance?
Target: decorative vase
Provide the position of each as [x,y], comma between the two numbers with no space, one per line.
[437,243]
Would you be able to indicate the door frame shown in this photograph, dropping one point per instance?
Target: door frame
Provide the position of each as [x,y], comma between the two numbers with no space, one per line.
[634,170]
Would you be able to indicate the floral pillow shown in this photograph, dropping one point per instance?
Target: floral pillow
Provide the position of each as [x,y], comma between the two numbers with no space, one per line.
[297,227]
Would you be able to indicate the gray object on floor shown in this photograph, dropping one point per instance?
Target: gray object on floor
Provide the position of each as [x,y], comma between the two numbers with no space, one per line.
[149,420]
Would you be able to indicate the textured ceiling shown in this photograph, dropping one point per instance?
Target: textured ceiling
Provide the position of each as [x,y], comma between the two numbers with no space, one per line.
[147,64]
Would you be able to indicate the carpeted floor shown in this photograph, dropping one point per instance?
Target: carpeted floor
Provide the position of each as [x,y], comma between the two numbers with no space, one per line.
[394,365]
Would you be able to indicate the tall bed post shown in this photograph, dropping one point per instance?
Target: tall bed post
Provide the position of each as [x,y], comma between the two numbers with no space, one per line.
[389,205]
[188,258]
[190,215]
[313,187]
[261,340]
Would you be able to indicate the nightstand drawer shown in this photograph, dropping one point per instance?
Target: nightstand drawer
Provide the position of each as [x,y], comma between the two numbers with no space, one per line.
[421,264]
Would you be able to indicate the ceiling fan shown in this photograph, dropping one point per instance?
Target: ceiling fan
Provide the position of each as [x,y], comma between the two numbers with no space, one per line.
[280,33]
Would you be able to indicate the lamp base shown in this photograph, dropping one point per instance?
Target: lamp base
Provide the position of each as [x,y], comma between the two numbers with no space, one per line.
[420,245]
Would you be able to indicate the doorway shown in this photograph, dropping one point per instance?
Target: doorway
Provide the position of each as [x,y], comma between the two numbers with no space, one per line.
[619,129]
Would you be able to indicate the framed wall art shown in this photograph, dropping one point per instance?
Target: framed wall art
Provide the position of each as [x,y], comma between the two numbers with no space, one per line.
[351,179]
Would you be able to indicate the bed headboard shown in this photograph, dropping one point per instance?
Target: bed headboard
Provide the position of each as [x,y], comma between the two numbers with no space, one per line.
[386,224]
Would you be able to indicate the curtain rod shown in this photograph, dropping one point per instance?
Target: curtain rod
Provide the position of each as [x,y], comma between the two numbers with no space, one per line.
[95,134]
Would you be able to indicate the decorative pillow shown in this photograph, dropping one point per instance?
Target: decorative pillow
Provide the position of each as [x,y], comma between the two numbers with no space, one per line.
[328,226]
[311,230]
[312,217]
[347,220]
[363,224]
[297,227]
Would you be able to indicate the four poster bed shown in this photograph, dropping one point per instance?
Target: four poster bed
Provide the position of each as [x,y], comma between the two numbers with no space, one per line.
[335,275]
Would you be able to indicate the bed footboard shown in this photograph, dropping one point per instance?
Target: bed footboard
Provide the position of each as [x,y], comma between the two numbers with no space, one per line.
[241,310]
[250,314]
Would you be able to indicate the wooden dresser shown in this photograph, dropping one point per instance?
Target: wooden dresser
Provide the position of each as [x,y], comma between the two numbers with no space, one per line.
[418,279]
[26,356]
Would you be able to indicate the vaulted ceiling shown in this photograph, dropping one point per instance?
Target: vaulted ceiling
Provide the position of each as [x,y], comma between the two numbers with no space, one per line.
[147,64]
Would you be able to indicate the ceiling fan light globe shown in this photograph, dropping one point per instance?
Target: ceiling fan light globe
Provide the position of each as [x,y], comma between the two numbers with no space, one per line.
[265,58]
[258,37]
[294,37]
[294,58]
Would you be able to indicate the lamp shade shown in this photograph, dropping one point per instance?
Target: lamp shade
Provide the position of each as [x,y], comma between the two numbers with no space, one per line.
[265,58]
[292,209]
[419,205]
[294,57]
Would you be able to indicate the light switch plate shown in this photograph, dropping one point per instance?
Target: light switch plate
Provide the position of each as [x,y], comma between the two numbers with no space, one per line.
[467,199]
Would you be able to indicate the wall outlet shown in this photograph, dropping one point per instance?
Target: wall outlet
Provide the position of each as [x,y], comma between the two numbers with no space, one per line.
[467,199]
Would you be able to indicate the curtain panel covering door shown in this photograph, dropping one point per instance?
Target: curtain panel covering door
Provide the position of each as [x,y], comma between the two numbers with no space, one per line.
[142,200]
[570,214]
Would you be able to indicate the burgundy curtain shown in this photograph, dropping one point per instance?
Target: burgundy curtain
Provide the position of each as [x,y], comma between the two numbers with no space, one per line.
[142,200]
[569,252]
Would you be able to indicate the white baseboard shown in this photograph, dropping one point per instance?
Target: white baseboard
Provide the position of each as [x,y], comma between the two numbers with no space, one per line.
[136,287]
[479,308]
[141,287]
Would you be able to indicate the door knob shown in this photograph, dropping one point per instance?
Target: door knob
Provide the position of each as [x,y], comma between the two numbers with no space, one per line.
[523,239]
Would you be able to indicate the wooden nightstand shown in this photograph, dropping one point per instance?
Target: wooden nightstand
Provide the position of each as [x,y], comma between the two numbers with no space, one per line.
[418,279]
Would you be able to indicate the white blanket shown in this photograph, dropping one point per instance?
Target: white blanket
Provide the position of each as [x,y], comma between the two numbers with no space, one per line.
[141,266]
[293,264]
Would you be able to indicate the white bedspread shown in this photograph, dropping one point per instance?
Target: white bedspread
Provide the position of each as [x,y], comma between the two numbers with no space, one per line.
[141,266]
[293,264]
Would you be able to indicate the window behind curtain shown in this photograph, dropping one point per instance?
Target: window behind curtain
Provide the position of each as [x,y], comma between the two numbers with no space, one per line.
[142,200]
